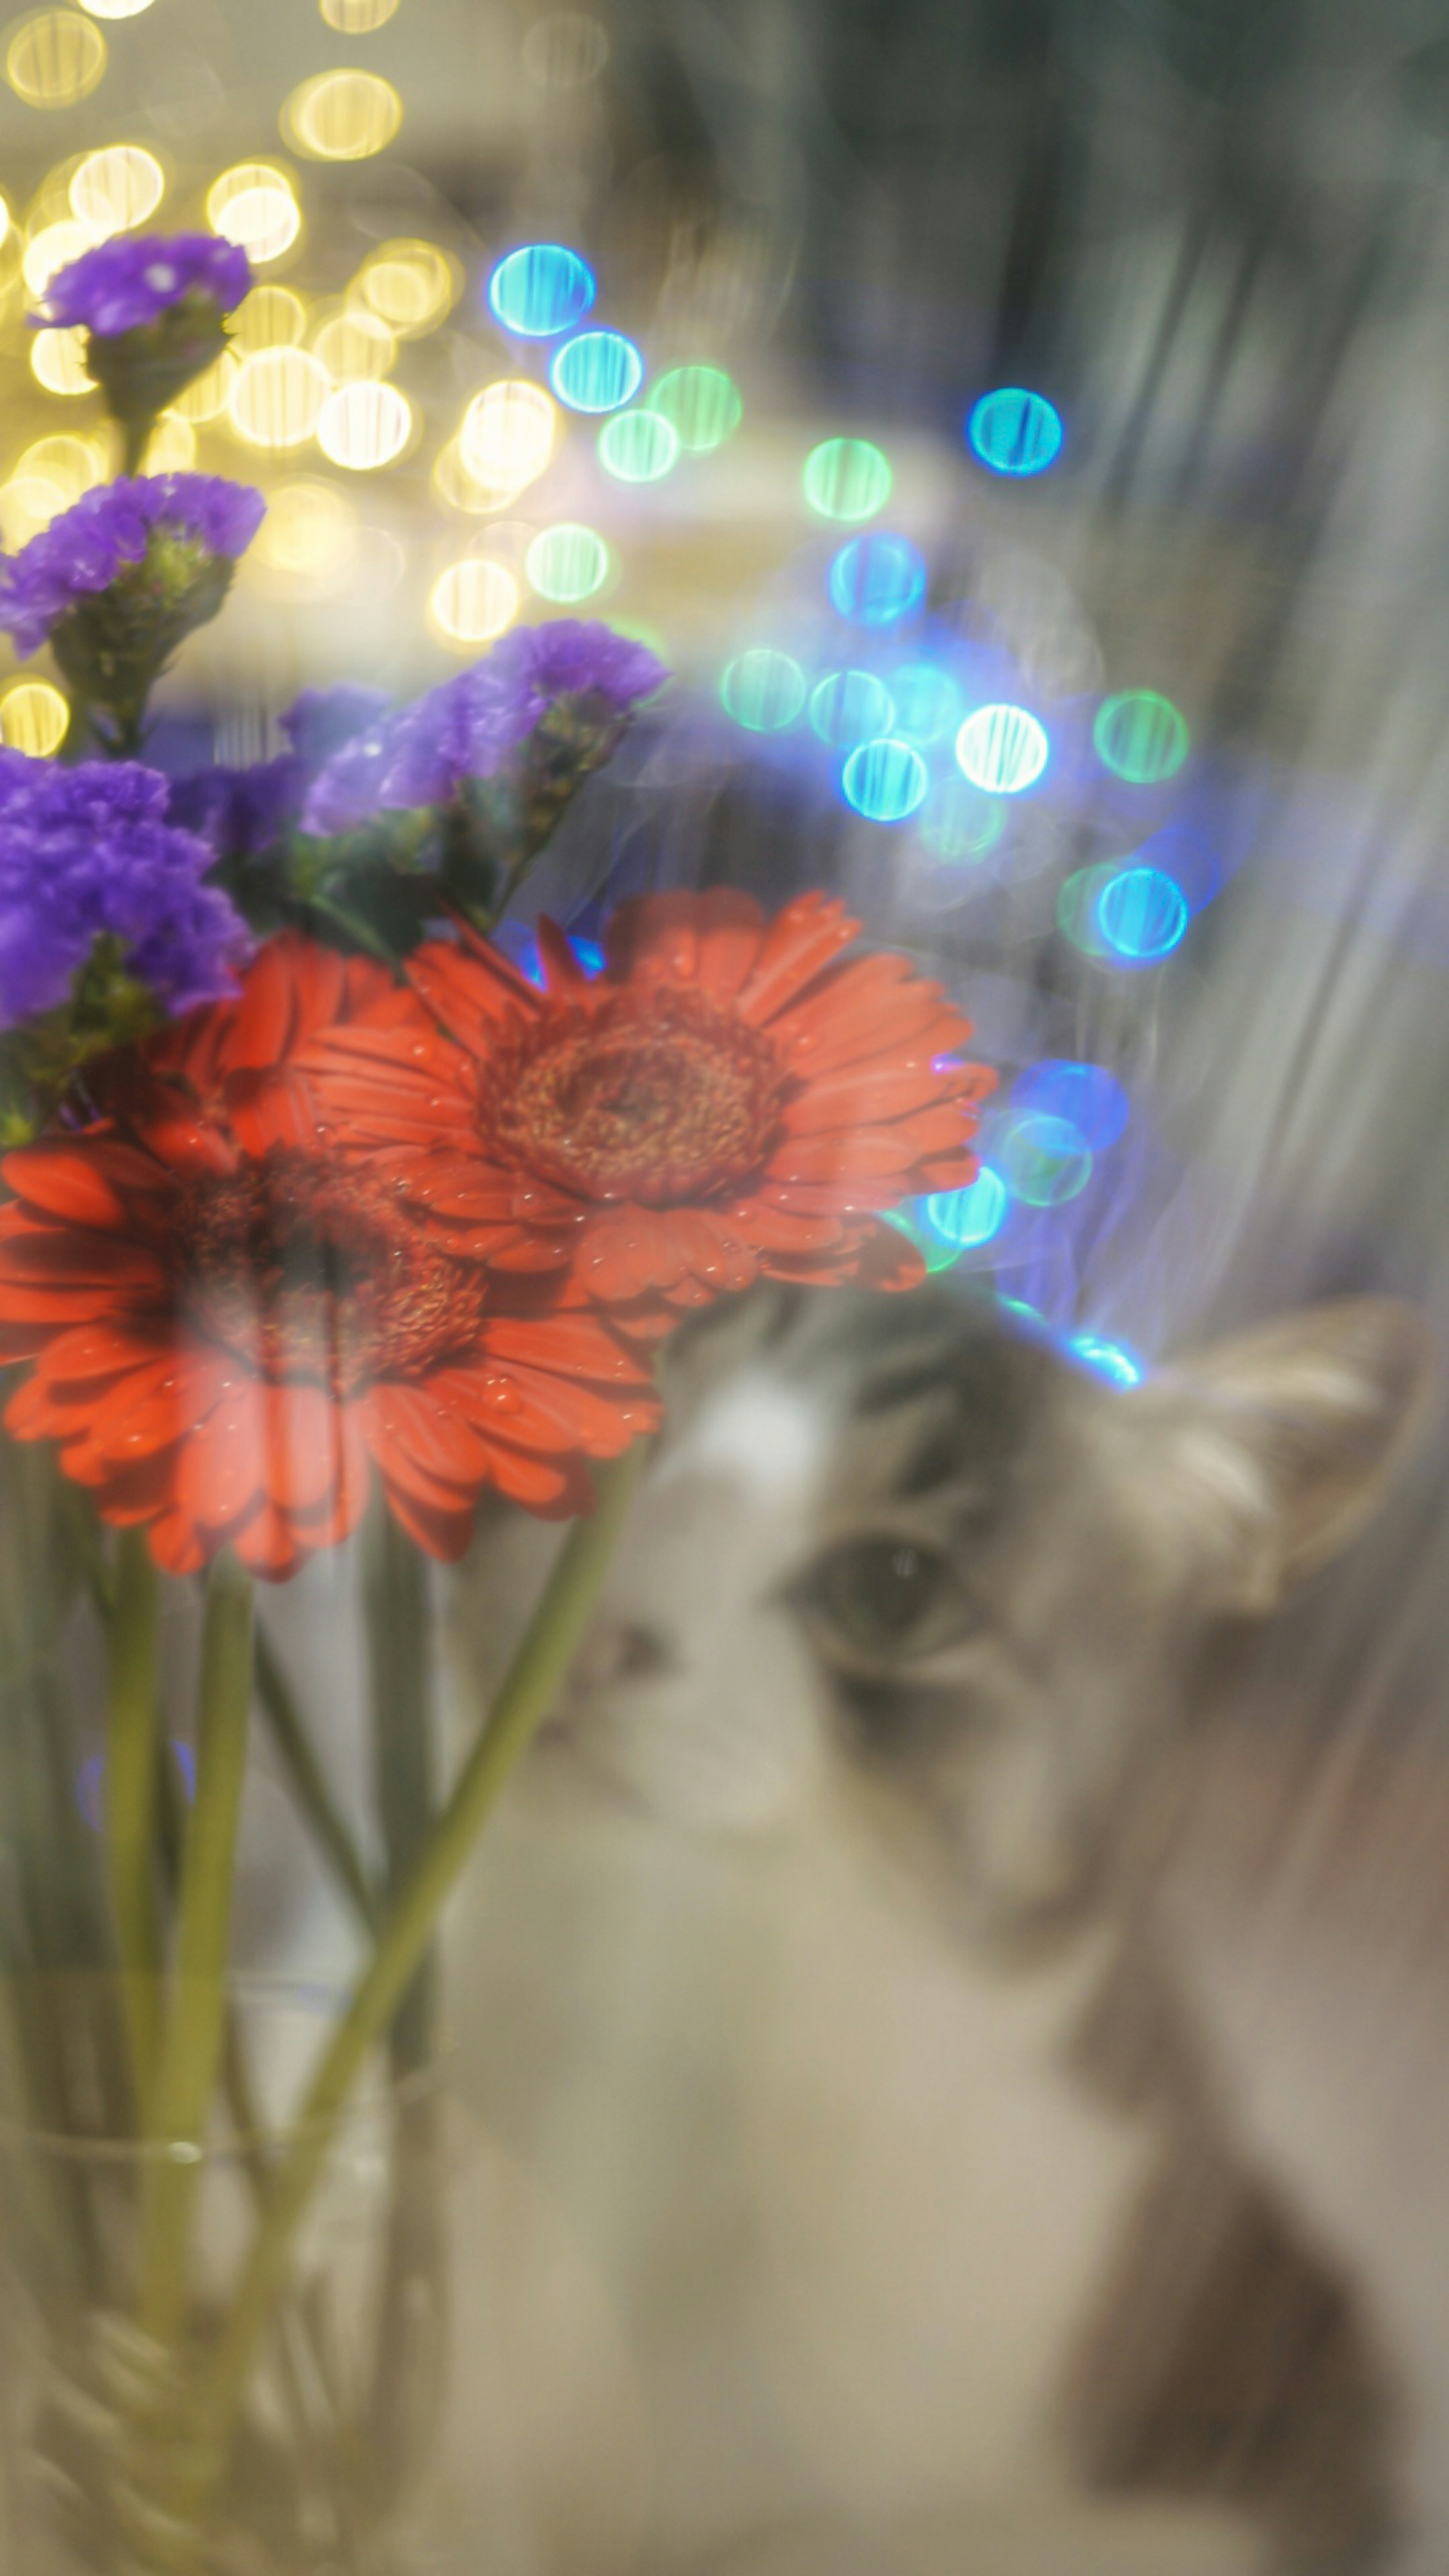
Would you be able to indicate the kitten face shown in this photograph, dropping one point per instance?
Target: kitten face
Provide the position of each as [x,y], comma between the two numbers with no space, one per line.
[895,1554]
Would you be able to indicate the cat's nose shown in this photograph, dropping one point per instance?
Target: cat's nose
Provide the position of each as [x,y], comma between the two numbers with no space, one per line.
[616,1652]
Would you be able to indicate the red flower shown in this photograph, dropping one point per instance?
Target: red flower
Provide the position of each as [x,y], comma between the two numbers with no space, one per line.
[231,1326]
[729,1097]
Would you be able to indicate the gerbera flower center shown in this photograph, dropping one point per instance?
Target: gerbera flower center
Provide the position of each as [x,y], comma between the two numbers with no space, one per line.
[655,1096]
[306,1271]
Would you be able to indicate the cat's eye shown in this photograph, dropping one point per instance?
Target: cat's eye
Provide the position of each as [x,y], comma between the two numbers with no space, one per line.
[881,1598]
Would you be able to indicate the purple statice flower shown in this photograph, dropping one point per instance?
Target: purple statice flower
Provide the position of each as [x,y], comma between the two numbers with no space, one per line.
[86,853]
[243,812]
[468,727]
[127,283]
[88,546]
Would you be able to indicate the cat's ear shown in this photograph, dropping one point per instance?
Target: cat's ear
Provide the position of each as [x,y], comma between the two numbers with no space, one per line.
[1285,1440]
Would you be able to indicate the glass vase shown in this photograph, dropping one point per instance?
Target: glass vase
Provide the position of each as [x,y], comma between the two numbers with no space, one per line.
[329,2462]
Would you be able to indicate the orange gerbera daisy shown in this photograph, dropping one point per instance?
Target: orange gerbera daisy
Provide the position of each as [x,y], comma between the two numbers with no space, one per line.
[232,1327]
[729,1097]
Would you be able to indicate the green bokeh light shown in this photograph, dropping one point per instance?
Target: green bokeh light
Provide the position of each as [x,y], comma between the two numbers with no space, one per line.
[848,707]
[567,562]
[1045,1160]
[961,821]
[701,404]
[764,690]
[1140,736]
[638,446]
[848,479]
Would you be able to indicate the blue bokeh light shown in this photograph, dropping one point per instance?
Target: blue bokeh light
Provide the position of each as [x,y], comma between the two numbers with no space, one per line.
[1142,914]
[877,580]
[589,954]
[928,702]
[966,1218]
[1002,749]
[1111,1360]
[598,371]
[1089,1097]
[884,780]
[1014,431]
[848,707]
[541,289]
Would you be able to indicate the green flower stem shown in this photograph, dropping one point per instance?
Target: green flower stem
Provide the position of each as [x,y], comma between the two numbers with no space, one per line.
[528,1692]
[309,1784]
[401,1666]
[135,439]
[132,1743]
[194,2043]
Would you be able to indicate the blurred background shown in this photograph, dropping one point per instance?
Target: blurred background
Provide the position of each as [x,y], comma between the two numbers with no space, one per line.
[1019,423]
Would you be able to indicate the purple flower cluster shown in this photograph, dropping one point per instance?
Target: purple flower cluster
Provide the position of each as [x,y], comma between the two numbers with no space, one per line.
[86,853]
[467,727]
[243,812]
[127,283]
[85,549]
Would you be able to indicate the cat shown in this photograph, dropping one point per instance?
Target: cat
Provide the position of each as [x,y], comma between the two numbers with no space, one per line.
[914,1968]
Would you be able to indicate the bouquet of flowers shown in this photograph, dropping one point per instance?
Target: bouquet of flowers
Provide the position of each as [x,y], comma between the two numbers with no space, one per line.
[321,1220]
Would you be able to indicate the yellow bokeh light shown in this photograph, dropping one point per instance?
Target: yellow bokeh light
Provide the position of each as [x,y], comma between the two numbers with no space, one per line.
[28,503]
[277,396]
[115,189]
[508,432]
[253,205]
[473,601]
[310,529]
[410,285]
[207,397]
[343,116]
[52,248]
[70,465]
[357,17]
[33,718]
[271,317]
[353,345]
[54,58]
[455,482]
[364,426]
[171,448]
[57,361]
[5,221]
[115,8]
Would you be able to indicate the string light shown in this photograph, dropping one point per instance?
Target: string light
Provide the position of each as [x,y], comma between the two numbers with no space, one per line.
[115,8]
[33,718]
[598,371]
[1142,914]
[507,434]
[1002,749]
[540,290]
[310,530]
[877,580]
[848,707]
[638,446]
[271,317]
[1015,432]
[357,17]
[473,601]
[410,286]
[208,396]
[701,403]
[54,58]
[965,1219]
[277,396]
[928,702]
[1141,736]
[117,188]
[847,478]
[1045,1159]
[567,562]
[1111,1360]
[764,690]
[343,115]
[253,206]
[354,344]
[57,361]
[885,781]
[455,483]
[51,249]
[365,426]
